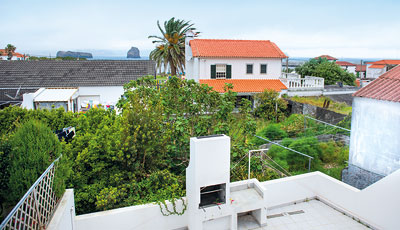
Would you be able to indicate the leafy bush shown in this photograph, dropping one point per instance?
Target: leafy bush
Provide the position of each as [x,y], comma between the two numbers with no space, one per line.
[269,106]
[274,132]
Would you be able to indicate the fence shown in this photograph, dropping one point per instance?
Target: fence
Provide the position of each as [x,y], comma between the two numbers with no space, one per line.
[37,206]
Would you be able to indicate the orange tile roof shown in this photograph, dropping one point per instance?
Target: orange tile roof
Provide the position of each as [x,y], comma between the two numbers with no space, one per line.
[382,63]
[345,63]
[245,85]
[386,87]
[327,57]
[235,48]
[377,66]
[361,67]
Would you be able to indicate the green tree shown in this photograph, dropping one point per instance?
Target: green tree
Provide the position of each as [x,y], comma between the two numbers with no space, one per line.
[269,106]
[330,71]
[170,49]
[33,147]
[10,49]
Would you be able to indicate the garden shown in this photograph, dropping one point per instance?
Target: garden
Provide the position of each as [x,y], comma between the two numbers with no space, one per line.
[140,154]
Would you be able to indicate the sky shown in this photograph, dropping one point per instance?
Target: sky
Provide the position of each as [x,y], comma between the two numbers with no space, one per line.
[343,29]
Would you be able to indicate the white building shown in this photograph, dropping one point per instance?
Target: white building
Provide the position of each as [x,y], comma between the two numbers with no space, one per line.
[74,85]
[376,69]
[250,65]
[348,66]
[375,131]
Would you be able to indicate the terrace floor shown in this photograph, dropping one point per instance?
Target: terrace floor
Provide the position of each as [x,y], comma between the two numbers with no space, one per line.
[311,215]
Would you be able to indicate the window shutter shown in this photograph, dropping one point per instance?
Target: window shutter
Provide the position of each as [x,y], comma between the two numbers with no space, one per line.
[213,71]
[228,71]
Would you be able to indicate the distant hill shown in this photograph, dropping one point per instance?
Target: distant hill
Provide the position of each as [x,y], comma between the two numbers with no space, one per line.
[74,54]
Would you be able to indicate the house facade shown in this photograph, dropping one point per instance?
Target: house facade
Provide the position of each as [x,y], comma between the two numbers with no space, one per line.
[376,69]
[375,131]
[242,63]
[83,84]
[348,66]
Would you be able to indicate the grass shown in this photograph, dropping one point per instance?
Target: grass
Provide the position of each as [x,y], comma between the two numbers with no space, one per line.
[338,107]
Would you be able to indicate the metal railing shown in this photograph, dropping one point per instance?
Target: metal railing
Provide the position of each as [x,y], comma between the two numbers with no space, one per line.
[37,206]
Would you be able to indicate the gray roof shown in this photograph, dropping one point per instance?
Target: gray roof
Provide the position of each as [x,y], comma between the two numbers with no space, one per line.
[61,73]
[31,75]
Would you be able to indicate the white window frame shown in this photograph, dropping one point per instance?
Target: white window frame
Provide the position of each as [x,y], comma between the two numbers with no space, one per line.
[220,71]
[266,68]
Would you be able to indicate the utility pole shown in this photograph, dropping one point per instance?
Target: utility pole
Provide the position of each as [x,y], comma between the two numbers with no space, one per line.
[287,64]
[361,68]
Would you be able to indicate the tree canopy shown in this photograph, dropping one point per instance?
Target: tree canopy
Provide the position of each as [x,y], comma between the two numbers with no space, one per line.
[10,49]
[170,49]
[330,71]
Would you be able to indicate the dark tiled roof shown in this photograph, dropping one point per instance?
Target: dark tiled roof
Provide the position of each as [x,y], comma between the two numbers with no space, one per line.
[386,87]
[61,73]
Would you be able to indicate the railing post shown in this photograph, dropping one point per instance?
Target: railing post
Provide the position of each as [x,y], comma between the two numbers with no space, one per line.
[309,164]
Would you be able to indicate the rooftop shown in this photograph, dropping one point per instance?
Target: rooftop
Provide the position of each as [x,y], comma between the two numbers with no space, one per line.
[246,85]
[327,57]
[386,87]
[312,214]
[15,54]
[345,63]
[382,63]
[235,48]
[363,68]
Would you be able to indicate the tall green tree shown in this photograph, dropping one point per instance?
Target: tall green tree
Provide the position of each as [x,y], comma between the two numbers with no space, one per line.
[10,49]
[330,71]
[170,49]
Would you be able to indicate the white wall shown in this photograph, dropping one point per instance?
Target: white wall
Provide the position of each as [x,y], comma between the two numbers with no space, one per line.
[376,205]
[105,94]
[64,217]
[374,72]
[274,67]
[375,133]
[140,217]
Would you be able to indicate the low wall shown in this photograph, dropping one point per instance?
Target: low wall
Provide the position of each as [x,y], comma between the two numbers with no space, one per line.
[315,111]
[140,217]
[64,217]
[376,205]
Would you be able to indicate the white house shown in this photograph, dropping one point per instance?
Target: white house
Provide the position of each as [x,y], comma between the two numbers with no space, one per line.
[350,67]
[251,66]
[375,131]
[74,85]
[376,69]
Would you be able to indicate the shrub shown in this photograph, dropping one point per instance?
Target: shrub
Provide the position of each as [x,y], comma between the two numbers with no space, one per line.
[274,132]
[33,148]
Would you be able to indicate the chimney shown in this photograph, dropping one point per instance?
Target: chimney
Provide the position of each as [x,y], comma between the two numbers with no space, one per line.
[207,178]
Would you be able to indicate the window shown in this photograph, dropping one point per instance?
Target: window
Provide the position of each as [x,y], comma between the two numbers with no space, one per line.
[249,68]
[263,68]
[220,71]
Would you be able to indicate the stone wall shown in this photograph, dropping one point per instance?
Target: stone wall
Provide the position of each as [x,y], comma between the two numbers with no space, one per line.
[315,111]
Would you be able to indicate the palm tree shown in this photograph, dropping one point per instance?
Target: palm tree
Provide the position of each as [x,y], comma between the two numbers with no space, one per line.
[10,49]
[170,49]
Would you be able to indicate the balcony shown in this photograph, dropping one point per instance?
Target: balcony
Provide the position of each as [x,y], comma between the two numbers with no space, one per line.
[295,82]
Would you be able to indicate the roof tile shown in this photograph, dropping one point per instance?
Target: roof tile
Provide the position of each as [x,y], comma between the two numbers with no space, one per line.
[386,87]
[246,85]
[235,48]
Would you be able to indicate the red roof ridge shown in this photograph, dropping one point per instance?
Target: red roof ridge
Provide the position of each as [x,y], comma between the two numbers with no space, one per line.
[216,39]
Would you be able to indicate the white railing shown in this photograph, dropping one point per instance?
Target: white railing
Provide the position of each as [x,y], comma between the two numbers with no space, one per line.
[294,81]
[36,207]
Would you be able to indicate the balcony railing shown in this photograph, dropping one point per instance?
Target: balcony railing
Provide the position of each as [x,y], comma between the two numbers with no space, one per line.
[37,206]
[294,81]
